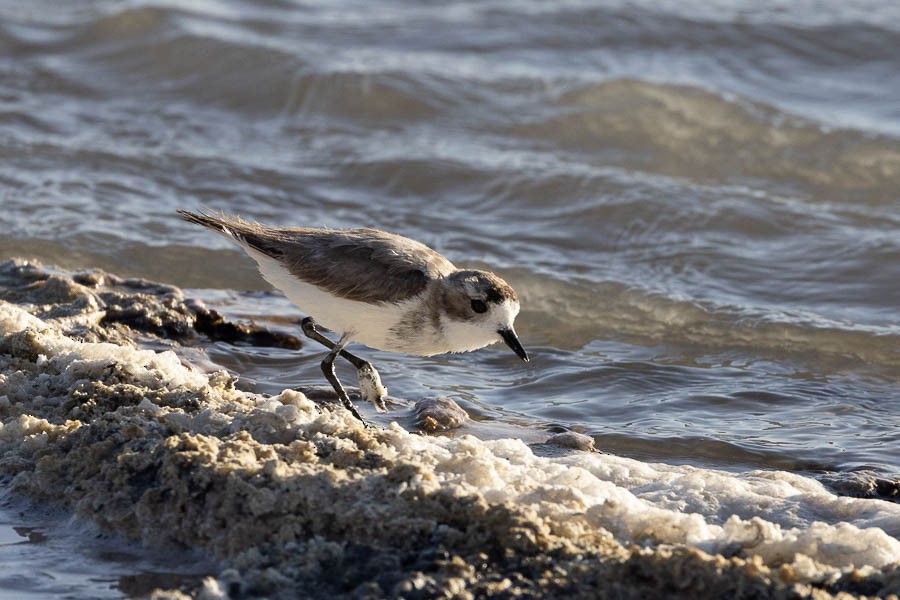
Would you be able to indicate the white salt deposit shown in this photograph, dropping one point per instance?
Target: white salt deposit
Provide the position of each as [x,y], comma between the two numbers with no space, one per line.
[211,460]
[637,502]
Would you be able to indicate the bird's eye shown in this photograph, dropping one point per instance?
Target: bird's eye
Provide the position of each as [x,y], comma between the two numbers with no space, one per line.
[479,306]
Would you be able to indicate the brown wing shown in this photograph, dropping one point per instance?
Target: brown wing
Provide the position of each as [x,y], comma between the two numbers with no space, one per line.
[367,265]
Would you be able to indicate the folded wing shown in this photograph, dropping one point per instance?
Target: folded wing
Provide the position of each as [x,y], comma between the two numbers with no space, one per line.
[366,265]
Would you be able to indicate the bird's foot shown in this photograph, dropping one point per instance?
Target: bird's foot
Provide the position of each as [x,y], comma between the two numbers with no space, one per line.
[370,387]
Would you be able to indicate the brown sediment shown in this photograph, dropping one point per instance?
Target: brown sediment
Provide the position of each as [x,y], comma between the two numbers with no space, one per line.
[298,501]
[103,307]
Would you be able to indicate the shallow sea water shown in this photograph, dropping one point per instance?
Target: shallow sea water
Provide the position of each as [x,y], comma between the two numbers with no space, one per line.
[696,201]
[45,553]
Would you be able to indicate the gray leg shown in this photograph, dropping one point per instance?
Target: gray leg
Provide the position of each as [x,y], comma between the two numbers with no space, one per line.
[370,386]
[331,376]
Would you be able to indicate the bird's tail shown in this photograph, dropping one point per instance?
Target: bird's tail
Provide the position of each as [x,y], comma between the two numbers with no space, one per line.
[243,232]
[221,223]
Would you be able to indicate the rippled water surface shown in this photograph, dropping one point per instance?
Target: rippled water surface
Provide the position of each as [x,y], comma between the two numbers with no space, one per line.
[696,201]
[65,558]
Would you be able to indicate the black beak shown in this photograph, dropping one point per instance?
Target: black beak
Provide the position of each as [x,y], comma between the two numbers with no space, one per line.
[509,336]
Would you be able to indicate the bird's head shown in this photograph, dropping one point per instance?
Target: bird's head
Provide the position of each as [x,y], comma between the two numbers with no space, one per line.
[480,309]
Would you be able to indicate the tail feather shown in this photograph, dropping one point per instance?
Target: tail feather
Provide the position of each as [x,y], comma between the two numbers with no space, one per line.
[218,223]
[236,228]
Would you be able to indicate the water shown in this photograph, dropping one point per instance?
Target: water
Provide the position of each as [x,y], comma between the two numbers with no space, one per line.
[65,558]
[696,201]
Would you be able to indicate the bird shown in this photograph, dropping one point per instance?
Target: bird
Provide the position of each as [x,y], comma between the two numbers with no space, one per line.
[375,288]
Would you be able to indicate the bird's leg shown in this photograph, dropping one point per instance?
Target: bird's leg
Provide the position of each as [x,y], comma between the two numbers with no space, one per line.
[370,386]
[309,330]
[331,376]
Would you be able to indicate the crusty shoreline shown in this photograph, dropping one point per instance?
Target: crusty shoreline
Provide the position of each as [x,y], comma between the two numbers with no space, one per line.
[299,501]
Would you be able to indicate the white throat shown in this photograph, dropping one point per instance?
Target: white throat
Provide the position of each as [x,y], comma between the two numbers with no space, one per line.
[465,336]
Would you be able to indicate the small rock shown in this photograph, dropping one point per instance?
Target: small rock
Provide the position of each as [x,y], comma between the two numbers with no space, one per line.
[89,279]
[439,414]
[573,440]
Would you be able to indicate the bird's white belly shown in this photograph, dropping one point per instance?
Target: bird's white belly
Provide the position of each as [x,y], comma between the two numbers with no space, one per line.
[362,322]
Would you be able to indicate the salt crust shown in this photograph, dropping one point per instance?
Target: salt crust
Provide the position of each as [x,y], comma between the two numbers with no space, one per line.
[298,501]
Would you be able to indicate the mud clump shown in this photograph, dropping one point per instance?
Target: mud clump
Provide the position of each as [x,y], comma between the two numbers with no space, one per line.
[863,484]
[100,306]
[211,324]
[439,414]
[573,440]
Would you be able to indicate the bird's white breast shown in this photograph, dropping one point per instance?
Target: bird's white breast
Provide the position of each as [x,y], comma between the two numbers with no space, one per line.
[362,322]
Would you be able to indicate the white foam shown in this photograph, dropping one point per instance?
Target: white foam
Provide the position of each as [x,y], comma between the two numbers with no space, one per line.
[771,514]
[82,360]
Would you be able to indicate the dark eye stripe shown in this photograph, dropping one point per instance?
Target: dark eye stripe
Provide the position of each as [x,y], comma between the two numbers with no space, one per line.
[479,306]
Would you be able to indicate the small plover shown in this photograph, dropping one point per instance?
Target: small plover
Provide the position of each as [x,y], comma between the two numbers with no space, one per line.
[376,288]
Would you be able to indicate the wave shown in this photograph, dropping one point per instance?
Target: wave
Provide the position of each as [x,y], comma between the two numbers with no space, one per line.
[569,315]
[689,132]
